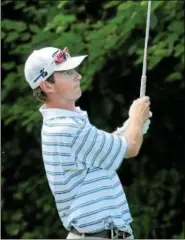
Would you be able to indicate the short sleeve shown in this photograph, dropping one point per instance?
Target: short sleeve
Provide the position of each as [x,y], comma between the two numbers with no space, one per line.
[97,148]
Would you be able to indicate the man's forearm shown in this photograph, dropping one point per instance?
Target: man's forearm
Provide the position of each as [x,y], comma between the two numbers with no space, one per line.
[120,131]
[134,137]
[133,132]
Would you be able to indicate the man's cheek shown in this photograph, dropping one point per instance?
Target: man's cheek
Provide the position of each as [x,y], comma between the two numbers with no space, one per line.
[68,78]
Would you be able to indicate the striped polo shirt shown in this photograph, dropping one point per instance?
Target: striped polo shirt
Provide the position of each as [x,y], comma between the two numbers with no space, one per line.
[81,163]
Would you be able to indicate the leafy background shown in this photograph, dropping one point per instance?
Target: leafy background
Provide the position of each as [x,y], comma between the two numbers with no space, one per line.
[112,34]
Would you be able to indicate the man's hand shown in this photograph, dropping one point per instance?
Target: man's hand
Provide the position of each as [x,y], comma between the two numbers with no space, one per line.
[146,123]
[119,131]
[140,109]
[139,114]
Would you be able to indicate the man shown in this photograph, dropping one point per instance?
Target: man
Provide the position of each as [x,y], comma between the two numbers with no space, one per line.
[80,160]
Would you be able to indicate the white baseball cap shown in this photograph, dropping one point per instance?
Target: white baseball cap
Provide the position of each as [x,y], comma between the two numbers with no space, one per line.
[45,61]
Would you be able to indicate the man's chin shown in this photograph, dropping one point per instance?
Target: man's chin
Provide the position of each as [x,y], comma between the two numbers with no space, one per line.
[79,95]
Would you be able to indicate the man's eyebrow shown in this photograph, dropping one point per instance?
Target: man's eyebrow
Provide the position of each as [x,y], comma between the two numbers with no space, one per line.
[66,71]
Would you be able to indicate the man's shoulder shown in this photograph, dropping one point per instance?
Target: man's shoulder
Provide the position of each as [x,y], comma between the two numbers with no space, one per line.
[63,124]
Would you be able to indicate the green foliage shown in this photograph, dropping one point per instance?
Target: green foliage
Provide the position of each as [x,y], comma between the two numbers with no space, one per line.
[113,37]
[149,197]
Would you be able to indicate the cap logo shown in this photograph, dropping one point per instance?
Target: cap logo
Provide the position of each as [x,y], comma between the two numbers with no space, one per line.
[61,55]
[43,74]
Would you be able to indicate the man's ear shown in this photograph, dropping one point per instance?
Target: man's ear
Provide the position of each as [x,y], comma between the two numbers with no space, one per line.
[46,86]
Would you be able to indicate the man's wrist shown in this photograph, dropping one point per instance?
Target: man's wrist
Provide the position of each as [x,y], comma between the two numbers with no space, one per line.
[136,120]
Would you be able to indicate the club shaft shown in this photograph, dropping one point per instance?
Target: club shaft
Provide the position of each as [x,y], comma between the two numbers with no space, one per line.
[143,77]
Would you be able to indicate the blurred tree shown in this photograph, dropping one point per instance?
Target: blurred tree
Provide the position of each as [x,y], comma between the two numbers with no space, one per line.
[112,34]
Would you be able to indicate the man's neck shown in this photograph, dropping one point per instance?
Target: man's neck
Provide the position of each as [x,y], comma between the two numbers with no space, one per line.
[67,105]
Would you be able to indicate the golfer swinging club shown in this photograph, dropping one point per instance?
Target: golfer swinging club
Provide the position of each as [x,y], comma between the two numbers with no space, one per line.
[81,161]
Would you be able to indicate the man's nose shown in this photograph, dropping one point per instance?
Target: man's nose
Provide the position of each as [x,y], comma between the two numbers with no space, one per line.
[78,76]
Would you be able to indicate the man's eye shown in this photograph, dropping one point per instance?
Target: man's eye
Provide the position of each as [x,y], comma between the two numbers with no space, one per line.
[70,72]
[66,73]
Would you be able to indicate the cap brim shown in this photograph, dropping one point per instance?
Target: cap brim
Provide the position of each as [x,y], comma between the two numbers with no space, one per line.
[70,63]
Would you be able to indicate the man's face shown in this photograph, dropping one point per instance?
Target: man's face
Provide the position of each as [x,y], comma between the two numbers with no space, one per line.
[67,85]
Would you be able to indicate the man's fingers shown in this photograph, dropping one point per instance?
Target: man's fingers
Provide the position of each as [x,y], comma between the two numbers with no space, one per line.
[146,99]
[147,103]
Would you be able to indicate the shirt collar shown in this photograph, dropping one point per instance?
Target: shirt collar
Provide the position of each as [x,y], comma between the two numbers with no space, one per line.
[49,113]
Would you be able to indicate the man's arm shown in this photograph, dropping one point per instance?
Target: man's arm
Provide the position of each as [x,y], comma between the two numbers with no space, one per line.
[122,130]
[97,148]
[119,131]
[134,128]
[134,136]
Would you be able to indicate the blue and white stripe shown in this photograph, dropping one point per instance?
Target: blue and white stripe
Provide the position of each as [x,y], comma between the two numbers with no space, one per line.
[81,163]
